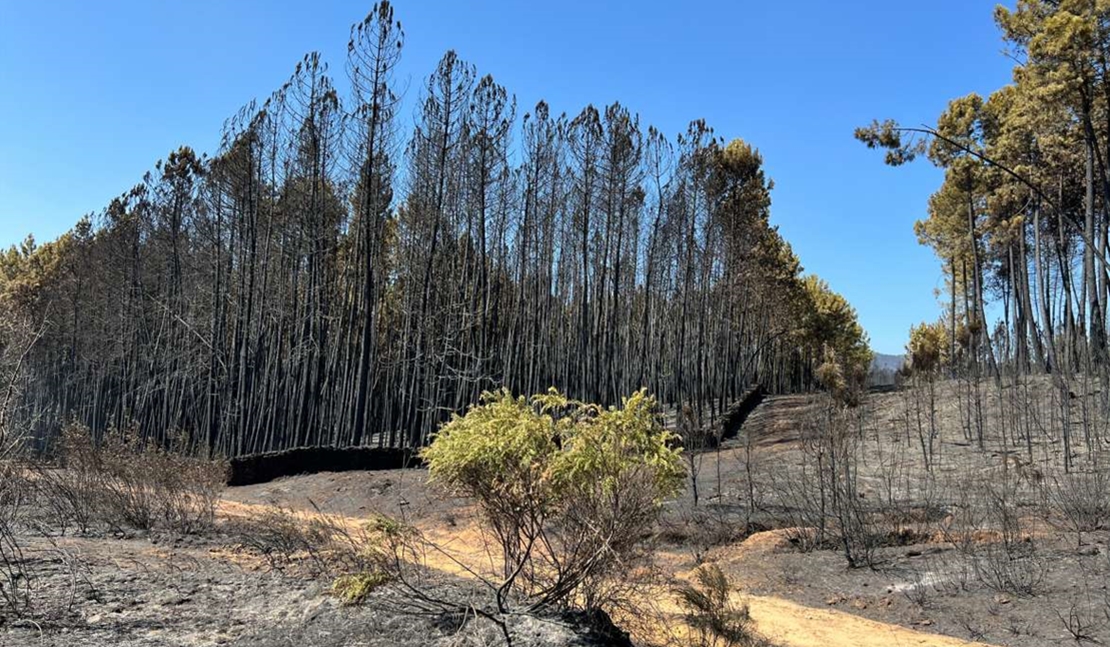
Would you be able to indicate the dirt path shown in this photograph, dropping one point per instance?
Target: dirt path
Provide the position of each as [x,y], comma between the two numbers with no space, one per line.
[460,552]
[794,625]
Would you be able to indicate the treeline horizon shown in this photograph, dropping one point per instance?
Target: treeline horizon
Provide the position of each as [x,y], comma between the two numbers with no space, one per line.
[326,279]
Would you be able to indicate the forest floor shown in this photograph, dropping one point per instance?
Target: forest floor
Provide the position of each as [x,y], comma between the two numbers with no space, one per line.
[147,591]
[921,584]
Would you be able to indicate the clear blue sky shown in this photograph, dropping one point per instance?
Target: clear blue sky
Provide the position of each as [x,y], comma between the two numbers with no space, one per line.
[93,93]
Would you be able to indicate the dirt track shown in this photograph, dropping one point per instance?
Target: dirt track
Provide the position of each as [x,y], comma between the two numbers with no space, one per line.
[788,623]
[795,625]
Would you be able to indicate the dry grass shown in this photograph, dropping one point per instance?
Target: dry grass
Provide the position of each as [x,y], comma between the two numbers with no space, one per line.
[123,483]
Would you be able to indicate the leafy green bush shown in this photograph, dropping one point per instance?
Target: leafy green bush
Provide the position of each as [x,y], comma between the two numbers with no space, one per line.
[567,489]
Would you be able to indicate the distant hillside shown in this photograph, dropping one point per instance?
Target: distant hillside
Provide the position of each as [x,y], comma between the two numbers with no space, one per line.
[883,368]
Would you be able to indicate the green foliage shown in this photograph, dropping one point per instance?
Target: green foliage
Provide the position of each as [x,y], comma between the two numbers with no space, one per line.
[499,453]
[928,347]
[830,326]
[888,135]
[742,191]
[568,489]
[604,446]
[387,528]
[354,589]
[27,269]
[515,452]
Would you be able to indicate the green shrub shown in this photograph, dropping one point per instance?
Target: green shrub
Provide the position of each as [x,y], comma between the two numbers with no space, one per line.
[354,589]
[567,489]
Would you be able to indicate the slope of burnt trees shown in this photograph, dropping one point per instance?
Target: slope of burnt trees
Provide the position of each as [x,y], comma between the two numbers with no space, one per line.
[324,280]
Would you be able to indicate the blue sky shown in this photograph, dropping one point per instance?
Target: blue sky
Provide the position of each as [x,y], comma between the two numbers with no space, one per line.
[93,93]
